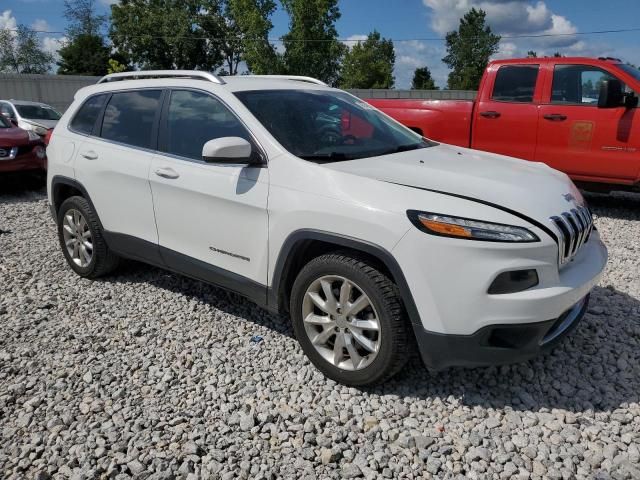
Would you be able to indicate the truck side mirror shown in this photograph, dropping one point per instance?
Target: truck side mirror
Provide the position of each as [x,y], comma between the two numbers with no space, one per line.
[611,94]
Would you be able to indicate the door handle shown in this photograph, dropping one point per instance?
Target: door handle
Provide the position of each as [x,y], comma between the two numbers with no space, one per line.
[90,155]
[555,117]
[490,114]
[167,172]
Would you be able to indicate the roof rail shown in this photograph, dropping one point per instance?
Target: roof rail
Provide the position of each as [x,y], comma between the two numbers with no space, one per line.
[298,78]
[194,74]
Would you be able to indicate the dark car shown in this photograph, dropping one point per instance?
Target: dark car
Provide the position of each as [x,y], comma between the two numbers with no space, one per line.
[20,149]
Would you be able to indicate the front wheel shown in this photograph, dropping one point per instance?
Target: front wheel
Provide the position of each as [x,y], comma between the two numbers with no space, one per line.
[349,320]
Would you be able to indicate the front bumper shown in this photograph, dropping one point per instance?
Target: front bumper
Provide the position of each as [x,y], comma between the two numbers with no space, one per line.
[27,161]
[497,344]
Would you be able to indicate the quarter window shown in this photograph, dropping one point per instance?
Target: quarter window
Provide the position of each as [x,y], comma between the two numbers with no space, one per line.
[577,84]
[515,83]
[194,118]
[129,117]
[85,120]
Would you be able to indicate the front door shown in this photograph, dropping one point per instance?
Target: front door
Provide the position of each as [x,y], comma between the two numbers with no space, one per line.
[211,218]
[582,140]
[506,116]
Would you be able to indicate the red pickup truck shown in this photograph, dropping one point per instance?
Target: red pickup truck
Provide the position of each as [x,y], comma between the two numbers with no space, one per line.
[578,115]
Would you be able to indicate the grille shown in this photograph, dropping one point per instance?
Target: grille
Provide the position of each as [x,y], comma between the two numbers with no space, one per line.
[575,227]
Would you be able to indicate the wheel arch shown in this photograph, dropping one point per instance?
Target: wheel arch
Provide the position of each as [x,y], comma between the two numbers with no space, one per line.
[303,245]
[64,187]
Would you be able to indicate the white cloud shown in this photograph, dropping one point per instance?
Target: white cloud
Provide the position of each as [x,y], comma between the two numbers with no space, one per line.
[40,25]
[415,54]
[7,20]
[353,39]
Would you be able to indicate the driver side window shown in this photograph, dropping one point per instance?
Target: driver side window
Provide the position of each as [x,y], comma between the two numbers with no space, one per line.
[577,84]
[7,111]
[194,118]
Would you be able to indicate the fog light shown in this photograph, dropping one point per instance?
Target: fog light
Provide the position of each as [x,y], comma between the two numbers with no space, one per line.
[514,281]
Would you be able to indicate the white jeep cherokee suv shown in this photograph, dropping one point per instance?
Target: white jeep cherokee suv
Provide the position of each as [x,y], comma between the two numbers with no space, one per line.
[307,200]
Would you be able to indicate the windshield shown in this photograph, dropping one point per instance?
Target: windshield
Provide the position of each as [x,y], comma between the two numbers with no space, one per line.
[328,126]
[37,112]
[633,71]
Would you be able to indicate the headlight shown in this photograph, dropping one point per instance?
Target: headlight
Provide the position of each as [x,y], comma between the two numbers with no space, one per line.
[39,130]
[33,135]
[466,228]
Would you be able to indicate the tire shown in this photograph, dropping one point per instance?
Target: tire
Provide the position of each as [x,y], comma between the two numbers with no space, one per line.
[360,366]
[102,260]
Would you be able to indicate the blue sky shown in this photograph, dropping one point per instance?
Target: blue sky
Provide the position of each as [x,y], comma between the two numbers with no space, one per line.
[410,22]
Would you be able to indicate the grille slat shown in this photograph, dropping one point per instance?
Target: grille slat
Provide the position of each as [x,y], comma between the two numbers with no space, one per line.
[575,228]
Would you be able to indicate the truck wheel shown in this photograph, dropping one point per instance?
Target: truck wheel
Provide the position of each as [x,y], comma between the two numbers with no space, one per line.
[81,239]
[349,320]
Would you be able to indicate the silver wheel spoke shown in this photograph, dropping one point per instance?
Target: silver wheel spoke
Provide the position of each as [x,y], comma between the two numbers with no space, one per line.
[77,238]
[85,254]
[330,303]
[323,337]
[364,324]
[338,349]
[364,341]
[345,293]
[353,353]
[87,244]
[318,301]
[360,304]
[70,242]
[68,228]
[318,320]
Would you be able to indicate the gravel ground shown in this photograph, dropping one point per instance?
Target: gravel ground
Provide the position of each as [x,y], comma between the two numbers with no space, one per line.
[146,374]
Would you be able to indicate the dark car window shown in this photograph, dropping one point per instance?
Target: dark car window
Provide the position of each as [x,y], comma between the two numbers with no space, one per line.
[515,83]
[85,119]
[577,84]
[4,122]
[129,117]
[194,118]
[38,112]
[5,109]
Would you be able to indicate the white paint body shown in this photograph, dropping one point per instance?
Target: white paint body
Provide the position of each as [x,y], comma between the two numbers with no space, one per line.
[251,211]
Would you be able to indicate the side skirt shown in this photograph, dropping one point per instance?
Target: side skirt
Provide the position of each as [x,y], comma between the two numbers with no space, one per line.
[153,254]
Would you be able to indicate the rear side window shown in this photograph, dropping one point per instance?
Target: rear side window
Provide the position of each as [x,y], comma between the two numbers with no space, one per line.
[515,83]
[130,116]
[85,119]
[577,84]
[194,118]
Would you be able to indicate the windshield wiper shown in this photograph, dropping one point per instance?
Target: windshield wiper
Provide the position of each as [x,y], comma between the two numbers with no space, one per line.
[329,157]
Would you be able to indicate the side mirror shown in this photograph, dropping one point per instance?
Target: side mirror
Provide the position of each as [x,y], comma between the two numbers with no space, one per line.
[227,150]
[611,94]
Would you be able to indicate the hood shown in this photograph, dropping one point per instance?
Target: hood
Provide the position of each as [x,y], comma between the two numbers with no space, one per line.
[13,137]
[41,123]
[529,188]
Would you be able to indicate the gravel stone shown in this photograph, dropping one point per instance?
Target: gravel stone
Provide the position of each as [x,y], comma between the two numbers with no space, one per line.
[146,373]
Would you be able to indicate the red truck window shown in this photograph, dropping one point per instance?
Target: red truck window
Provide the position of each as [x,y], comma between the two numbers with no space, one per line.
[577,84]
[515,83]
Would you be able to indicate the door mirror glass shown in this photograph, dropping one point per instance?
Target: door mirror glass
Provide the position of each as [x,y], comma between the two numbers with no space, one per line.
[611,94]
[227,150]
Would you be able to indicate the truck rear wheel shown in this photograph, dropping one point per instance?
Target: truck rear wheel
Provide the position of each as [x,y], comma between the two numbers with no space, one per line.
[349,320]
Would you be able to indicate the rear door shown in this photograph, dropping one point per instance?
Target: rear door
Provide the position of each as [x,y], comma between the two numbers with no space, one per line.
[211,218]
[506,114]
[580,139]
[114,157]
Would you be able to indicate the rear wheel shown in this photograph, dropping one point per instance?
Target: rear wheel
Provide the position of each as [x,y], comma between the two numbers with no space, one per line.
[81,239]
[349,320]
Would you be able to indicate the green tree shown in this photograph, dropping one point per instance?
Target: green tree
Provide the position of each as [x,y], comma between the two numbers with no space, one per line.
[164,34]
[252,18]
[532,54]
[469,50]
[311,45]
[557,55]
[422,80]
[369,64]
[21,52]
[85,53]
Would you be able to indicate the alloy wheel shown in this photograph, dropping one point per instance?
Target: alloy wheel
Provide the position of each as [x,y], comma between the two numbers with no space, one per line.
[77,238]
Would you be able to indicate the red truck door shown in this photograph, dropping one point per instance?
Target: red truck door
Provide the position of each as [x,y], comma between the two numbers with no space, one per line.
[580,139]
[506,112]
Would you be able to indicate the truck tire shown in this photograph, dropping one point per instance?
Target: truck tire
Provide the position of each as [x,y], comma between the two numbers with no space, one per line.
[349,320]
[82,241]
